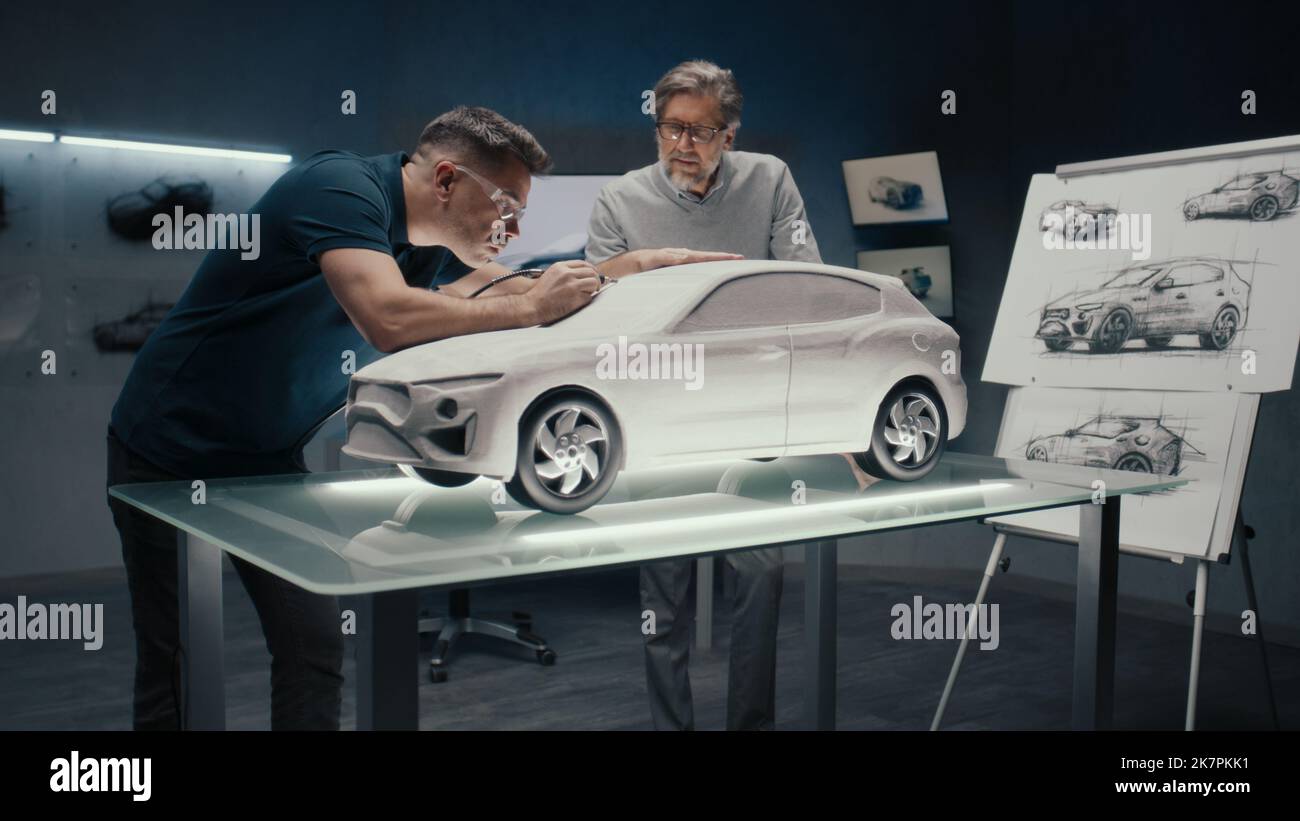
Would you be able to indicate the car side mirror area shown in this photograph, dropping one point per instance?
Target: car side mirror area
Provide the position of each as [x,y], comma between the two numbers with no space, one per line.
[1167,282]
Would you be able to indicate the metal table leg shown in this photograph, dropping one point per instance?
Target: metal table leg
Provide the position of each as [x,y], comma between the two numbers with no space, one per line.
[388,644]
[1094,616]
[819,626]
[198,591]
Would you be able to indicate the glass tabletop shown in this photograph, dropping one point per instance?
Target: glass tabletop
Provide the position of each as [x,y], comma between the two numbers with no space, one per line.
[368,531]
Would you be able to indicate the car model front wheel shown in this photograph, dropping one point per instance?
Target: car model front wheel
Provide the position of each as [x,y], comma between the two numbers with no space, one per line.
[1191,211]
[1113,332]
[569,454]
[908,436]
[1223,331]
[1263,209]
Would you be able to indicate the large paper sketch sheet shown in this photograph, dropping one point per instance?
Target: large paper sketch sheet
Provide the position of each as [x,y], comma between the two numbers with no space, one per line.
[1195,436]
[1199,294]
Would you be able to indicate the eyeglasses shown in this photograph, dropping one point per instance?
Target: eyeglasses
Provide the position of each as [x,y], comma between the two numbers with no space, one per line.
[700,134]
[507,206]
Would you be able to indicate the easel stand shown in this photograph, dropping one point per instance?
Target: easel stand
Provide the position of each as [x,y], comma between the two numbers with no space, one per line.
[1241,534]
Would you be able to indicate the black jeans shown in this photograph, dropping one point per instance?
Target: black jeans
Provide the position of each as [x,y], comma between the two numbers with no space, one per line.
[302,629]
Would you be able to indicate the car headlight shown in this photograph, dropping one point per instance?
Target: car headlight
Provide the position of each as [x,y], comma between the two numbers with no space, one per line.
[1056,313]
[1091,306]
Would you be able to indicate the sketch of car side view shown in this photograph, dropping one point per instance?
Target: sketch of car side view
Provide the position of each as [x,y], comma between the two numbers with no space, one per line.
[1074,217]
[1259,196]
[793,359]
[1137,443]
[1154,302]
[897,194]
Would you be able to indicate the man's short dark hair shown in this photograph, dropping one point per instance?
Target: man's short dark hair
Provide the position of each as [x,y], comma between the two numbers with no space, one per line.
[482,139]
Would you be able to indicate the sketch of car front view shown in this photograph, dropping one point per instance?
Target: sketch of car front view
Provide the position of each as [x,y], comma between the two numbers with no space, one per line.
[1259,196]
[1153,302]
[793,359]
[1136,443]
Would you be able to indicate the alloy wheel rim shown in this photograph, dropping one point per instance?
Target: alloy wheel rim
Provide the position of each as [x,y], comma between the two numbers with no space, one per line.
[1115,330]
[1225,328]
[912,429]
[1132,463]
[569,450]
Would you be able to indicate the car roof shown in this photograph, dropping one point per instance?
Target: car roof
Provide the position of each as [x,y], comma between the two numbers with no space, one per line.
[675,288]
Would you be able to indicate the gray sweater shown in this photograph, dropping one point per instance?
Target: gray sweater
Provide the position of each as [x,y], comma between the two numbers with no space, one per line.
[751,210]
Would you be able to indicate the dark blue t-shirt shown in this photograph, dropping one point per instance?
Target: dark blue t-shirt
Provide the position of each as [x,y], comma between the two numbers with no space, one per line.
[251,359]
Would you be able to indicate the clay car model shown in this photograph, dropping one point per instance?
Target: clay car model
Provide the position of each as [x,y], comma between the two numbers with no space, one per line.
[744,359]
[1259,196]
[1137,443]
[894,193]
[1074,217]
[1154,302]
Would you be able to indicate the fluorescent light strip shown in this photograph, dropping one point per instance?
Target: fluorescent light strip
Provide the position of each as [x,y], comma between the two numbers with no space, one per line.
[695,523]
[27,136]
[198,151]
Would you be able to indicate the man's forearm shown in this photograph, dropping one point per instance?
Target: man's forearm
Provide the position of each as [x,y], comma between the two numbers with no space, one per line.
[424,316]
[628,262]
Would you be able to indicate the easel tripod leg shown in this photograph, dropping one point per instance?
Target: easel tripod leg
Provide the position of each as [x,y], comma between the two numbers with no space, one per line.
[1240,536]
[1198,626]
[994,556]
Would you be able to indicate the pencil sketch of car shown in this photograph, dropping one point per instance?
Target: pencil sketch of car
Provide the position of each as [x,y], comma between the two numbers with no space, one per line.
[1154,302]
[1073,218]
[918,282]
[1259,196]
[130,332]
[790,358]
[1137,443]
[896,194]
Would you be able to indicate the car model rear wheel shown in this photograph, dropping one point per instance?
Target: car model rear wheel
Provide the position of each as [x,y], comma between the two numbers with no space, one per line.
[1191,211]
[569,454]
[441,478]
[1135,462]
[1037,453]
[908,436]
[1113,332]
[1223,331]
[1263,209]
[1158,341]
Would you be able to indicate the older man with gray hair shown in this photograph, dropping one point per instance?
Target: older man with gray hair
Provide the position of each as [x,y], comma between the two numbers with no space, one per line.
[704,201]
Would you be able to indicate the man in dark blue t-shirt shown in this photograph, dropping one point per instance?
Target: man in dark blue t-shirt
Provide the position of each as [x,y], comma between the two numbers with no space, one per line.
[359,256]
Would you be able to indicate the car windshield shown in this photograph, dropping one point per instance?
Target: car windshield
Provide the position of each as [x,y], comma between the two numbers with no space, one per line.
[1135,276]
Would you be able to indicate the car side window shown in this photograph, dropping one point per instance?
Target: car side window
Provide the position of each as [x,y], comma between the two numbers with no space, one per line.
[779,299]
[1198,274]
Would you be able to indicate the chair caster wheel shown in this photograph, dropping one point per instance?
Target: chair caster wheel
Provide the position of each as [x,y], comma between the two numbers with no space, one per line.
[437,675]
[546,657]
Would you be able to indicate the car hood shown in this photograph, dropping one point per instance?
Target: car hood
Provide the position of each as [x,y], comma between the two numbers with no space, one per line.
[1097,295]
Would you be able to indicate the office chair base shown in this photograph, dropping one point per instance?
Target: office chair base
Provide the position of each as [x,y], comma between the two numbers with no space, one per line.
[450,629]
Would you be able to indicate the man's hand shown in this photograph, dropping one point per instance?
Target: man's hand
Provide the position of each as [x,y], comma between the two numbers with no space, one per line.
[562,289]
[663,257]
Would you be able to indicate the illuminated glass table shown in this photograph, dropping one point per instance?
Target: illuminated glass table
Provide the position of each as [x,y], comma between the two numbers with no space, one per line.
[383,537]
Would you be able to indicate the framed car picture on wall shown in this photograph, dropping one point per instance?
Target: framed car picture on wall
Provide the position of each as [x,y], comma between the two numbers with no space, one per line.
[898,188]
[927,272]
